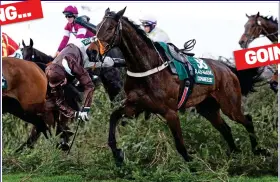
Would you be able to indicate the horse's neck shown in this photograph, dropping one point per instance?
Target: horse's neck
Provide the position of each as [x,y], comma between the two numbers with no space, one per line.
[139,56]
[43,57]
[272,32]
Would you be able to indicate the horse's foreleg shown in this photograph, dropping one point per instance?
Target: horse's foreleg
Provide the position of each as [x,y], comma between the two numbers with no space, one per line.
[32,139]
[114,118]
[175,127]
[123,111]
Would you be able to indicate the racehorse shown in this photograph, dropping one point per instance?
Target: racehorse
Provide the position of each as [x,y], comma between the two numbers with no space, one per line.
[256,26]
[149,92]
[24,94]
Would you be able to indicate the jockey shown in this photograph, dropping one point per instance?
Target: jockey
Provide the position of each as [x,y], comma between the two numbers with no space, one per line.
[70,65]
[156,34]
[65,68]
[71,12]
[10,47]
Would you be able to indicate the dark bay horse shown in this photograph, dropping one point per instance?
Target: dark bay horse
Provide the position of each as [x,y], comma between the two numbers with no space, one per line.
[152,93]
[25,94]
[256,26]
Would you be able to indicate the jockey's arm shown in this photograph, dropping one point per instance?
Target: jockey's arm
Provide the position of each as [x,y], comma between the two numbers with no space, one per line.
[65,39]
[82,75]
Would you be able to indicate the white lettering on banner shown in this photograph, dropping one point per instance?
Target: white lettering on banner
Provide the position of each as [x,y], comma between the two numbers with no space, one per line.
[262,55]
[9,13]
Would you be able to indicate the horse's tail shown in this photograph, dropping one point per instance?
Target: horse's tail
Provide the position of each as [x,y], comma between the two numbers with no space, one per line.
[248,78]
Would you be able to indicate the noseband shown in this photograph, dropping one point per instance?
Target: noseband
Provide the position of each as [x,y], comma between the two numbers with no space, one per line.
[117,33]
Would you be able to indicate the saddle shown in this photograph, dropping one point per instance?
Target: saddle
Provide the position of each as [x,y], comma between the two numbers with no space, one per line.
[181,56]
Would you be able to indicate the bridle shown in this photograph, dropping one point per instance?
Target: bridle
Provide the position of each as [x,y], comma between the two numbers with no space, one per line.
[113,42]
[250,38]
[118,33]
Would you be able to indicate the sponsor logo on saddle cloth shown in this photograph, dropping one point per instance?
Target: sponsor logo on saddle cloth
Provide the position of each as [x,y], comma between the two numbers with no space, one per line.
[203,73]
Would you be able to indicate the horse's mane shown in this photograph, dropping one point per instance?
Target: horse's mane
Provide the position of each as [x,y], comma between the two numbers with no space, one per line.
[40,53]
[271,19]
[268,18]
[139,31]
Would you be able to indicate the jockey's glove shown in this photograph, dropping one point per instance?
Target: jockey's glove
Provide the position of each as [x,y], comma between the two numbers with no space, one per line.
[83,114]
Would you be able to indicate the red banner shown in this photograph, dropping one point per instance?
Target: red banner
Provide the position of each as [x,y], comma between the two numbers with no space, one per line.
[257,56]
[20,11]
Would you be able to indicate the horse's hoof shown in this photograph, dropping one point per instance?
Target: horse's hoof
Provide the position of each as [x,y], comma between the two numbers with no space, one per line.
[147,115]
[119,157]
[124,123]
[63,146]
[261,151]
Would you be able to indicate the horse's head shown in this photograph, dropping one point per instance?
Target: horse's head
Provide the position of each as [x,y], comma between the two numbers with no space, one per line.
[28,51]
[109,30]
[255,26]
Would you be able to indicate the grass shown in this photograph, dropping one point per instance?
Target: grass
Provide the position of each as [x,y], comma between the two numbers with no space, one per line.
[78,178]
[150,153]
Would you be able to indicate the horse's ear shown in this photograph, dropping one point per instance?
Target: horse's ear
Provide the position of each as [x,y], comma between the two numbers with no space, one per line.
[258,14]
[107,11]
[23,43]
[31,43]
[247,16]
[120,13]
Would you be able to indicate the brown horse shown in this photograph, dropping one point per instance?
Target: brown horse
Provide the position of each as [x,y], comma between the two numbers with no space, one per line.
[151,93]
[256,26]
[25,94]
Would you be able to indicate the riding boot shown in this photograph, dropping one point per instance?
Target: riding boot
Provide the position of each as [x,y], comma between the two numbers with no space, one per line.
[119,62]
